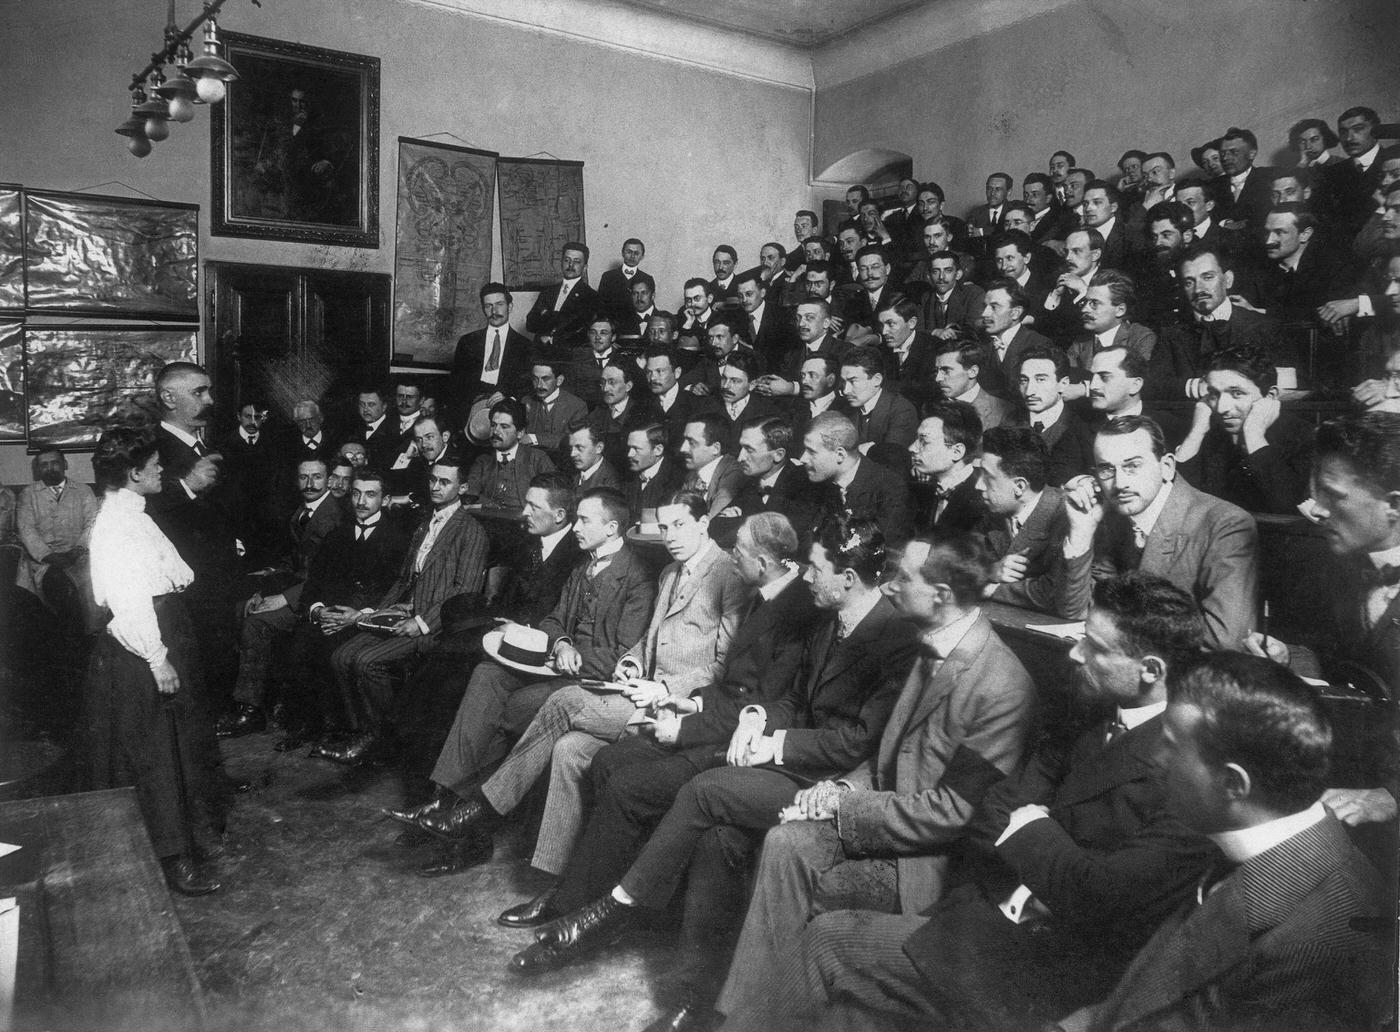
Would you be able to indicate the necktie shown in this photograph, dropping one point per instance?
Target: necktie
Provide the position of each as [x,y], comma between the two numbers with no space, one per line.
[1015,527]
[57,492]
[1383,577]
[200,448]
[1115,730]
[563,296]
[494,361]
[940,313]
[362,531]
[252,439]
[1038,426]
[754,321]
[303,520]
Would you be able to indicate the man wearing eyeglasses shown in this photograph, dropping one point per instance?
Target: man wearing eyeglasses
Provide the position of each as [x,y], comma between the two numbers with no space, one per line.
[1133,512]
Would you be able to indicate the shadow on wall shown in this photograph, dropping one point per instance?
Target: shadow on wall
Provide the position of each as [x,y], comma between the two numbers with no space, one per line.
[872,166]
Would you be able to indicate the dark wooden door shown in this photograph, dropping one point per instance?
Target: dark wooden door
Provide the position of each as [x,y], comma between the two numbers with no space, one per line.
[283,334]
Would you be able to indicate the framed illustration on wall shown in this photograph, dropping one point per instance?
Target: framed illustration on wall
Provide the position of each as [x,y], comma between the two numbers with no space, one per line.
[11,247]
[110,256]
[295,147]
[541,211]
[83,380]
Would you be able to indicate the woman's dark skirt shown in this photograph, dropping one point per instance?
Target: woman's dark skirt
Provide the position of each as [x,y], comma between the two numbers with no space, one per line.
[162,745]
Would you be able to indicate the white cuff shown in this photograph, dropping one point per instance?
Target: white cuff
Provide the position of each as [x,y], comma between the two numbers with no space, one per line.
[779,737]
[1364,308]
[421,625]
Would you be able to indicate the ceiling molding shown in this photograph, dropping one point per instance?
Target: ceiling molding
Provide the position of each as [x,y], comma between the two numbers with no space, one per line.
[917,33]
[632,29]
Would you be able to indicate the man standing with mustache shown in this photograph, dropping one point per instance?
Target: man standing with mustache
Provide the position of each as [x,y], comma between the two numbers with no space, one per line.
[1134,513]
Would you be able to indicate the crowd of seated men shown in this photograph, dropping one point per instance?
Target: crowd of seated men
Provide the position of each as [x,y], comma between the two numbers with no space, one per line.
[718,581]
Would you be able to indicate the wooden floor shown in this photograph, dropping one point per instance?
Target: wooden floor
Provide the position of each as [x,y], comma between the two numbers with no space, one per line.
[323,925]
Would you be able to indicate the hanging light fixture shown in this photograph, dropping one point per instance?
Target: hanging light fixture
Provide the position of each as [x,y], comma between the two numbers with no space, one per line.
[157,101]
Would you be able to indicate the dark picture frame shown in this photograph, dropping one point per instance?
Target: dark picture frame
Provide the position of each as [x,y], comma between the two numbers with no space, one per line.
[295,145]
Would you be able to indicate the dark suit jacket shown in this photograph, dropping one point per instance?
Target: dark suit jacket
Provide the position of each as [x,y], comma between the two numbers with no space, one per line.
[569,325]
[914,379]
[1071,445]
[777,334]
[346,572]
[1183,352]
[893,421]
[603,476]
[1254,201]
[456,564]
[1273,479]
[1203,545]
[382,446]
[302,545]
[950,737]
[488,483]
[1056,224]
[551,426]
[1281,943]
[877,492]
[1110,864]
[1039,540]
[763,659]
[466,384]
[793,495]
[685,408]
[667,478]
[861,311]
[619,599]
[1378,647]
[992,410]
[1117,247]
[965,510]
[615,294]
[800,412]
[792,361]
[981,218]
[963,309]
[1002,376]
[725,483]
[176,459]
[757,408]
[1323,275]
[837,705]
[1136,338]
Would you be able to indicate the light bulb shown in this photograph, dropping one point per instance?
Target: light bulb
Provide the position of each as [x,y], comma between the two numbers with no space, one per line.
[139,145]
[210,90]
[181,110]
[156,129]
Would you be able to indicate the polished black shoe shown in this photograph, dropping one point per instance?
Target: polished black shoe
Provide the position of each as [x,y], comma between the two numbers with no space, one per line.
[688,1017]
[411,816]
[358,751]
[574,936]
[459,856]
[537,911]
[245,720]
[184,877]
[458,821]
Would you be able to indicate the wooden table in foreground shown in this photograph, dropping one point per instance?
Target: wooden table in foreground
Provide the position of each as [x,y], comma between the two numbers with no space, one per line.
[100,945]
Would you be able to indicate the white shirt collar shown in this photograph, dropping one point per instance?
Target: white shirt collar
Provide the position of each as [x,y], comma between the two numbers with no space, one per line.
[447,511]
[183,435]
[954,477]
[313,439]
[619,408]
[757,313]
[944,640]
[770,478]
[1244,844]
[608,548]
[1025,277]
[736,408]
[669,398]
[1106,338]
[1388,557]
[772,589]
[1365,161]
[551,541]
[693,563]
[822,404]
[550,399]
[1008,334]
[1202,227]
[971,394]
[706,472]
[567,285]
[1147,519]
[372,427]
[1238,180]
[1291,262]
[847,620]
[1133,716]
[509,454]
[590,470]
[1107,228]
[1222,312]
[1050,416]
[313,506]
[247,437]
[406,422]
[869,406]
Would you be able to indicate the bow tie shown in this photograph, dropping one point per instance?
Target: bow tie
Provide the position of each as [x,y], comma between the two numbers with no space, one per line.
[1384,577]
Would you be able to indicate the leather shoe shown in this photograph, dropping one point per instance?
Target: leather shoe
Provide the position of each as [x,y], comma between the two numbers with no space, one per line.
[574,936]
[184,877]
[245,720]
[357,751]
[456,822]
[686,1018]
[459,856]
[412,815]
[537,911]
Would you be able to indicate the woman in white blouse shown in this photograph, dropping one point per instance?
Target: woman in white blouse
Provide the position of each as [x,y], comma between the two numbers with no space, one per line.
[140,720]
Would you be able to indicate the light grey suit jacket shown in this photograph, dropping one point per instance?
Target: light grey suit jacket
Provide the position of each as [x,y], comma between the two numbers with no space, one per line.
[949,739]
[690,630]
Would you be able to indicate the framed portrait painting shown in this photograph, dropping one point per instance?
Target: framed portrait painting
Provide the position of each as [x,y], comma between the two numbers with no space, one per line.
[295,146]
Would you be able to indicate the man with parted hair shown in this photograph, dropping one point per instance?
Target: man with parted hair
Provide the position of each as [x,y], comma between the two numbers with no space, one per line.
[883,836]
[550,408]
[1288,933]
[1302,273]
[724,260]
[622,405]
[641,306]
[312,440]
[699,298]
[1249,185]
[601,612]
[1070,863]
[772,483]
[1042,378]
[1049,220]
[1003,319]
[907,352]
[652,472]
[1312,139]
[591,469]
[501,477]
[1059,314]
[1242,446]
[957,367]
[1102,210]
[615,285]
[1104,323]
[1133,512]
[848,482]
[950,303]
[561,312]
[886,421]
[1350,185]
[1011,252]
[986,219]
[1025,524]
[737,400]
[827,723]
[710,472]
[377,432]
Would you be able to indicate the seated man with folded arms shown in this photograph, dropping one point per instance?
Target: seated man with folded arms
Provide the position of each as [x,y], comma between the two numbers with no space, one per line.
[1134,513]
[602,612]
[1025,525]
[1070,863]
[883,836]
[1291,930]
[700,600]
[1243,447]
[828,723]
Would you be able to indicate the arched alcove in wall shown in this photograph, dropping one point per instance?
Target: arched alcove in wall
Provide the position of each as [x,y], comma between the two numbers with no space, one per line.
[873,166]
